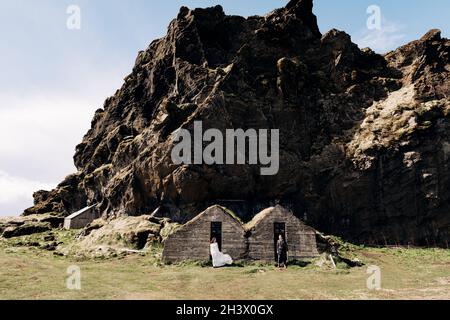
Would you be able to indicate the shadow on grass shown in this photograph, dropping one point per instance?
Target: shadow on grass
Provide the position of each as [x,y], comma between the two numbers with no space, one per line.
[299,263]
[256,265]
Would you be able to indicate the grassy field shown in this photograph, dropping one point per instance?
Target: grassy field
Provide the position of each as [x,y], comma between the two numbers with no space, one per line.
[33,273]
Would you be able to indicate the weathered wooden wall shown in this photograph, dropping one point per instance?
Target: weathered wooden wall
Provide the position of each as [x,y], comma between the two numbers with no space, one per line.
[300,238]
[80,219]
[192,241]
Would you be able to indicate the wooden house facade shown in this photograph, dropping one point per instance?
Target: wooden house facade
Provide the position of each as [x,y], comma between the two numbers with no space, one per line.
[255,240]
[191,242]
[265,229]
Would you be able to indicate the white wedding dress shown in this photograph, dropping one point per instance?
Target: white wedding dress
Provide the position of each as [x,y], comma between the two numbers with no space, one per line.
[219,259]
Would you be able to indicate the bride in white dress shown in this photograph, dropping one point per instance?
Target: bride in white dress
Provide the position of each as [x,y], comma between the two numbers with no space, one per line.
[219,259]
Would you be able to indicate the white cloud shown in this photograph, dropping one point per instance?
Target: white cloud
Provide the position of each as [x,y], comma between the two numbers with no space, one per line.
[41,122]
[41,131]
[38,138]
[388,38]
[51,82]
[16,193]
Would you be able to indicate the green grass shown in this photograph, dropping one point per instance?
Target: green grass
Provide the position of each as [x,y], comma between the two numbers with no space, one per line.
[33,273]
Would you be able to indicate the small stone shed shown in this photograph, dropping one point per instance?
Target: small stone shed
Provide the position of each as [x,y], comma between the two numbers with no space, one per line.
[265,228]
[80,219]
[255,240]
[191,242]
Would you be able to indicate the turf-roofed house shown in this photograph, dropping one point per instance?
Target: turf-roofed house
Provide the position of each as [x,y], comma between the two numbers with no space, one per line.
[255,240]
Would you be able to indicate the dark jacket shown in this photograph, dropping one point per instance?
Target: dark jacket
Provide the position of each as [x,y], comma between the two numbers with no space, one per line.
[282,250]
[281,246]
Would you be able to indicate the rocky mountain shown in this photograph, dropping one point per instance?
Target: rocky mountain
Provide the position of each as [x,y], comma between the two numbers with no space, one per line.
[364,138]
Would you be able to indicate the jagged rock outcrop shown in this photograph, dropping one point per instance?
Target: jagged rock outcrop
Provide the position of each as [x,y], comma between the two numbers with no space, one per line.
[364,138]
[68,197]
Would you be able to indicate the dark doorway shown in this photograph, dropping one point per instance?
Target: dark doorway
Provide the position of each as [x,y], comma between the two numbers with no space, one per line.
[279,228]
[216,232]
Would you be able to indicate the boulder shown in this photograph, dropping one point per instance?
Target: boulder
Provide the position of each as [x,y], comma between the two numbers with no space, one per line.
[25,229]
[27,225]
[121,235]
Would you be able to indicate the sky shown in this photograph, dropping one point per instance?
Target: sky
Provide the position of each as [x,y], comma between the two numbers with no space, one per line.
[53,78]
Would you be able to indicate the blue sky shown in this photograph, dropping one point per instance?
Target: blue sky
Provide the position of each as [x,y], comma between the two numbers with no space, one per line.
[53,79]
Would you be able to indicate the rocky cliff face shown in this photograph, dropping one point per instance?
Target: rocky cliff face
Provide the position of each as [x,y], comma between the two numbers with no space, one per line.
[364,138]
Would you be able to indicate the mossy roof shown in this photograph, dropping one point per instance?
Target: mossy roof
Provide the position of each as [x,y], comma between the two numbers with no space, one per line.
[258,218]
[227,211]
